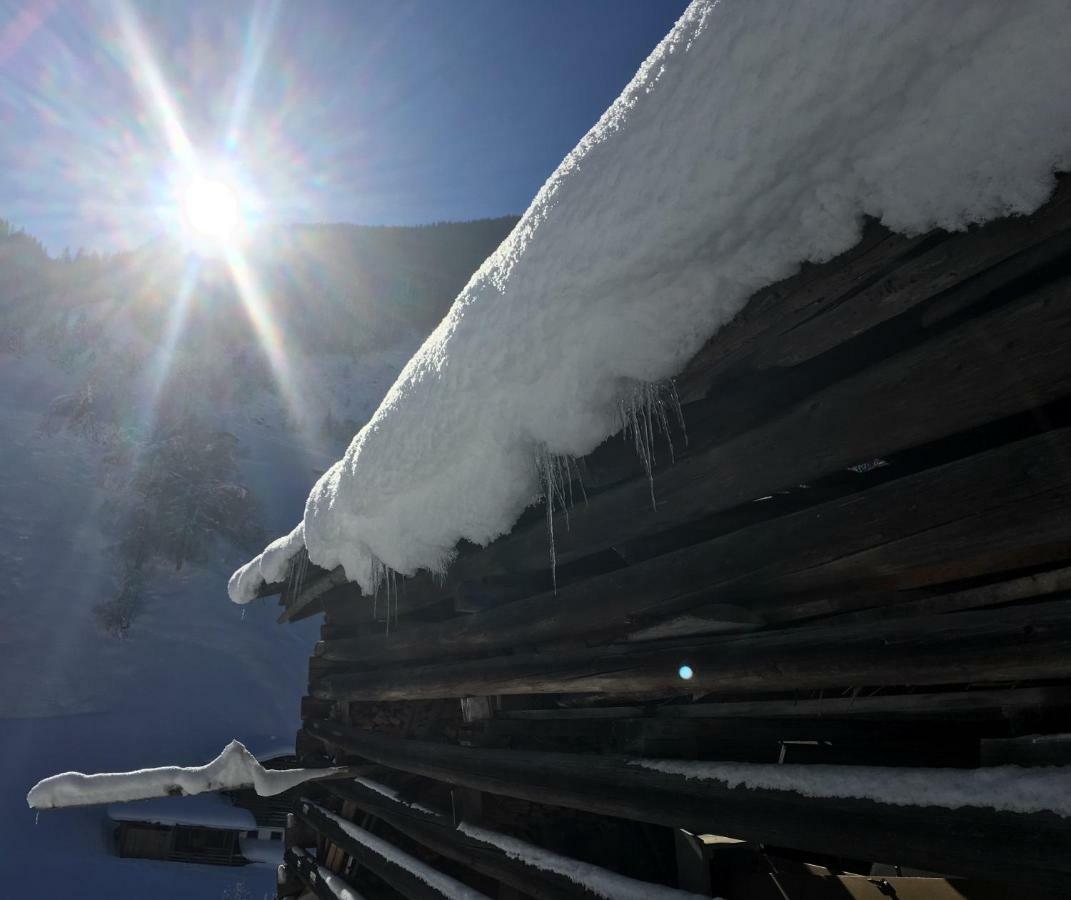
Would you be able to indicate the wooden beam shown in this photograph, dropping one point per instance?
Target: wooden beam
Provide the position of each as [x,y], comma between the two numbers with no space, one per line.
[971,841]
[1001,645]
[405,873]
[968,514]
[439,833]
[842,742]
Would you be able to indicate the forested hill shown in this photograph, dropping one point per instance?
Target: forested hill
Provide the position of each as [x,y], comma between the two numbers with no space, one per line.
[208,401]
[155,428]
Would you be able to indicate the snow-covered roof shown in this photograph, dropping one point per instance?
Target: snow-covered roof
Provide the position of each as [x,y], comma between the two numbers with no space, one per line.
[755,137]
[208,810]
[258,850]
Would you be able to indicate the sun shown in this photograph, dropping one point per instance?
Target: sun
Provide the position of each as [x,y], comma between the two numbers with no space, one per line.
[211,209]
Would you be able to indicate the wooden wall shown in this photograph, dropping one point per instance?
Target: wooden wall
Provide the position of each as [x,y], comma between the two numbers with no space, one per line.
[862,550]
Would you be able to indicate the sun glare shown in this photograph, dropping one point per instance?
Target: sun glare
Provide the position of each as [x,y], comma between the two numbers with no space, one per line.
[211,209]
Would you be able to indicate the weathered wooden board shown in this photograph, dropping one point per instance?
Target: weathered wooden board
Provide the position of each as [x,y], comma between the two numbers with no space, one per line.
[971,841]
[987,646]
[881,276]
[828,741]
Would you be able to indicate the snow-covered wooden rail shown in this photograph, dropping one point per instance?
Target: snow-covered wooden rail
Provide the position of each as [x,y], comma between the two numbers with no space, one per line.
[234,769]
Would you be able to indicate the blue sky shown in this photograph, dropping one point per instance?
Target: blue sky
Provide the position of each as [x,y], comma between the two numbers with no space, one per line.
[384,112]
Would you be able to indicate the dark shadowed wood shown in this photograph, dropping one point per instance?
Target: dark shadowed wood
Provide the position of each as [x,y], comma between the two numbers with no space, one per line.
[976,842]
[973,509]
[961,705]
[1011,644]
[964,264]
[796,740]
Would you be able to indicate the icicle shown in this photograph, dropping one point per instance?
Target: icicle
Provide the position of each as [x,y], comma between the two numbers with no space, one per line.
[642,414]
[557,473]
[243,614]
[37,817]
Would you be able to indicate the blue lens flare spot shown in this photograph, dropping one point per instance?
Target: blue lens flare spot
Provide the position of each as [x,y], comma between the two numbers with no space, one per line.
[685,672]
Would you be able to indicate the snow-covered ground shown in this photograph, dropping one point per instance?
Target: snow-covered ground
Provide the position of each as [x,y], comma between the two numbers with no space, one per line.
[756,137]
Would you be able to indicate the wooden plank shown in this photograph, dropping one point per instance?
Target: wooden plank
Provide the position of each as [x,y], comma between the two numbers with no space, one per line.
[842,742]
[439,833]
[406,874]
[971,841]
[878,252]
[1027,750]
[1010,360]
[883,268]
[972,705]
[1026,587]
[1002,645]
[966,264]
[969,509]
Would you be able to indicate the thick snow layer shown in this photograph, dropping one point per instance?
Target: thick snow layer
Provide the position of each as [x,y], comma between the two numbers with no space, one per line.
[209,810]
[234,768]
[444,884]
[1008,788]
[267,568]
[601,882]
[756,137]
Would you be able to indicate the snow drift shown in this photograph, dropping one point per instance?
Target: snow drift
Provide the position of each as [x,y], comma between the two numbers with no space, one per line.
[756,136]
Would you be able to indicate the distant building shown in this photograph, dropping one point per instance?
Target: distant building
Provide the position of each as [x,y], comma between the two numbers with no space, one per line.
[231,828]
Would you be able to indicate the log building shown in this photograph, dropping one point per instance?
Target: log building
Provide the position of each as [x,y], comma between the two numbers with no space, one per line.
[761,669]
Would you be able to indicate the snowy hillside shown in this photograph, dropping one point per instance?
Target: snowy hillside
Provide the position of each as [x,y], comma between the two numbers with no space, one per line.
[186,673]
